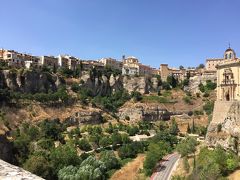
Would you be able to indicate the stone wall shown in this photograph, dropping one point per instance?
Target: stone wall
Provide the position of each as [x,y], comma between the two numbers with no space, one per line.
[143,112]
[224,129]
[11,172]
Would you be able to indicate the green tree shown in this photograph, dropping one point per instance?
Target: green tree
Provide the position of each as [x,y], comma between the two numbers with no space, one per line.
[110,160]
[174,127]
[40,166]
[172,81]
[64,155]
[155,154]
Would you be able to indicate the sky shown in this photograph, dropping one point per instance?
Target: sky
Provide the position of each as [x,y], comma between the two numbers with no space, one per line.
[176,32]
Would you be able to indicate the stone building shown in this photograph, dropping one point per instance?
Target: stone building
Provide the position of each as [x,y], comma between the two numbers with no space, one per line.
[132,66]
[49,61]
[110,62]
[18,60]
[213,62]
[224,129]
[89,64]
[228,77]
[67,61]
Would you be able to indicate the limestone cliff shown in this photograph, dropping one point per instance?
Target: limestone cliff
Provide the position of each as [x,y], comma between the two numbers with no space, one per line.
[224,128]
[29,81]
[35,81]
[104,85]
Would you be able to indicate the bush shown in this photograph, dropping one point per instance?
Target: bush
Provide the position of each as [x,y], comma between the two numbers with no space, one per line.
[75,87]
[137,96]
[187,99]
[84,145]
[127,151]
[208,107]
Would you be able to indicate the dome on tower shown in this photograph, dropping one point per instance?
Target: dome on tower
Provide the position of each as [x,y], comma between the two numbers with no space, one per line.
[229,54]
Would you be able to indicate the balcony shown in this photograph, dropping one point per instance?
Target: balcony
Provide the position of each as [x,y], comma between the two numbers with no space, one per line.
[228,82]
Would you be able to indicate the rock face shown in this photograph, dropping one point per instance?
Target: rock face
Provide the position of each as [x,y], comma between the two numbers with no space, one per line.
[29,81]
[224,129]
[8,172]
[104,85]
[85,117]
[196,80]
[143,112]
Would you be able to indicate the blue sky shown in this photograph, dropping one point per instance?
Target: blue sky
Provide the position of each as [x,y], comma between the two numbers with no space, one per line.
[177,32]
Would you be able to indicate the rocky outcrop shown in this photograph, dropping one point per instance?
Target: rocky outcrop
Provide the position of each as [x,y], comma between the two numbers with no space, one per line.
[104,85]
[224,129]
[9,171]
[29,81]
[196,80]
[143,112]
[85,117]
[143,85]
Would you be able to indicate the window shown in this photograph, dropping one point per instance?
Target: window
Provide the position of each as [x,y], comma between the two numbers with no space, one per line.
[230,56]
[225,56]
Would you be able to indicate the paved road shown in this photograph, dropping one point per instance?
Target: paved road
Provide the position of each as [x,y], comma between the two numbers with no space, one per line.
[165,168]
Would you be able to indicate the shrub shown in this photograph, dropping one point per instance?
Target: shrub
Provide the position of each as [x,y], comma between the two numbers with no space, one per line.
[208,107]
[84,145]
[137,96]
[187,99]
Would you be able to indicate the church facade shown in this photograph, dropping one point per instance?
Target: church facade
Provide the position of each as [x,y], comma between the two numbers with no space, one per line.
[228,77]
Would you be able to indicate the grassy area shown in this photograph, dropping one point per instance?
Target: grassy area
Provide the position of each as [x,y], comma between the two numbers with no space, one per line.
[158,99]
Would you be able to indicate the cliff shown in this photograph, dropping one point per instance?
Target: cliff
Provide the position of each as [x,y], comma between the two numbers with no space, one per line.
[104,85]
[29,81]
[224,129]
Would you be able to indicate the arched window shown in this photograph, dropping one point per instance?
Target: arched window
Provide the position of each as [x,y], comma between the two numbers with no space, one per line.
[226,56]
[230,56]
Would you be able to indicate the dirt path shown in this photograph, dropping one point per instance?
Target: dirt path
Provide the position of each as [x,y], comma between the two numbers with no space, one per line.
[130,170]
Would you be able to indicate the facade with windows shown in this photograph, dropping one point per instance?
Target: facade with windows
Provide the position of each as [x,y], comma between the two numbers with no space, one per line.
[49,61]
[18,60]
[67,61]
